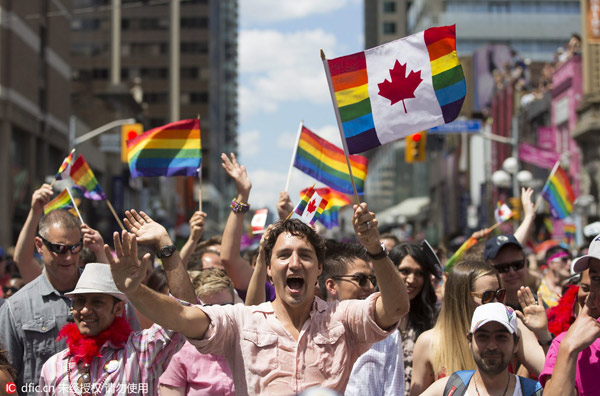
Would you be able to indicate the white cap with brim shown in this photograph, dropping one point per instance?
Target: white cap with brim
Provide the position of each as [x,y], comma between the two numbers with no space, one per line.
[494,312]
[582,263]
[97,278]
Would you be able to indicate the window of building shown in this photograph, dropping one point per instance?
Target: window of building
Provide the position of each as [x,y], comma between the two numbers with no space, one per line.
[198,97]
[100,74]
[189,73]
[85,24]
[389,28]
[155,97]
[154,73]
[194,47]
[389,7]
[194,23]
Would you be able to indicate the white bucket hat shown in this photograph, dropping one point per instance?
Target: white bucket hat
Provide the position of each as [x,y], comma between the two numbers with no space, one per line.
[582,263]
[97,278]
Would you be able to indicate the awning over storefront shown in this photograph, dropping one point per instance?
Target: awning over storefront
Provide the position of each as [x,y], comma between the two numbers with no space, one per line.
[405,210]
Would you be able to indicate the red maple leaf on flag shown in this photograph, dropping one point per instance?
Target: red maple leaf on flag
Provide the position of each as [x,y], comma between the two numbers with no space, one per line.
[401,86]
[311,206]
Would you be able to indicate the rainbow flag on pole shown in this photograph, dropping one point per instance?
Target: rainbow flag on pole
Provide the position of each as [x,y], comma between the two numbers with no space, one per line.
[61,201]
[559,193]
[326,162]
[170,150]
[396,89]
[85,180]
[337,200]
[310,207]
[63,167]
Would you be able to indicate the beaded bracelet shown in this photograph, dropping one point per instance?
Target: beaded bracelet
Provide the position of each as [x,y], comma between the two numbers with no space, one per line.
[239,207]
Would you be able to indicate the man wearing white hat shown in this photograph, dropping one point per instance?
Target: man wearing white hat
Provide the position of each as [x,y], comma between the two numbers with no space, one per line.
[494,340]
[573,360]
[103,355]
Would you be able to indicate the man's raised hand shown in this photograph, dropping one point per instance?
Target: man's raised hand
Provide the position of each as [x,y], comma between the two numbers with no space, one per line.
[146,230]
[128,272]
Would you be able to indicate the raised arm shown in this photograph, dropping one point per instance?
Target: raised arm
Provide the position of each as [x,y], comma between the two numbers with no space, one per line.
[284,205]
[128,273]
[522,233]
[149,232]
[393,303]
[256,293]
[196,230]
[28,266]
[237,268]
[93,241]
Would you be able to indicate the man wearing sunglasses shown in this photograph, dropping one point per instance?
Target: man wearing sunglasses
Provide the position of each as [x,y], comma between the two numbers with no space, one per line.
[558,262]
[347,275]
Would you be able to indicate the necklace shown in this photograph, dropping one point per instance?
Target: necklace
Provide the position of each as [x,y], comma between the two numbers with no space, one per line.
[84,382]
[505,389]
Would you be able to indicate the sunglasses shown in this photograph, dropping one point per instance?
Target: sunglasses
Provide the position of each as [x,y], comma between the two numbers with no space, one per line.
[488,295]
[62,249]
[503,268]
[361,279]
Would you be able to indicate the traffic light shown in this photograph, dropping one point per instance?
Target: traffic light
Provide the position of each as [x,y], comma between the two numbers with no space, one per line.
[415,147]
[128,132]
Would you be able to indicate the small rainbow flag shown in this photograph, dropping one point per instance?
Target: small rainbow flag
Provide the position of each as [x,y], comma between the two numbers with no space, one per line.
[326,162]
[86,182]
[170,150]
[310,207]
[460,253]
[337,200]
[422,71]
[304,200]
[64,165]
[502,212]
[559,194]
[61,201]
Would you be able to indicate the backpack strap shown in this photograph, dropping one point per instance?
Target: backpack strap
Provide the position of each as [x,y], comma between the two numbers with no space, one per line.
[458,382]
[530,387]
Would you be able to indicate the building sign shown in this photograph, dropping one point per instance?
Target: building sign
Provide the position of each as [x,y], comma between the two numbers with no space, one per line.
[547,138]
[561,110]
[536,156]
[593,21]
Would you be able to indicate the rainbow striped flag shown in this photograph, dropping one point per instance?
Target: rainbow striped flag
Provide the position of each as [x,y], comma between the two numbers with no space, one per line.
[337,200]
[170,150]
[326,162]
[559,194]
[61,201]
[304,200]
[310,207]
[421,71]
[460,253]
[86,182]
[63,167]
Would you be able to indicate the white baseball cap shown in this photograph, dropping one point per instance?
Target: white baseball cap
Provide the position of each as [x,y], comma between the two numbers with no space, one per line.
[494,312]
[582,263]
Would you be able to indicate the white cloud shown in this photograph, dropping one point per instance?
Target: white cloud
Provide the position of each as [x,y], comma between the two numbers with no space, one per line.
[264,11]
[251,144]
[267,184]
[278,67]
[331,133]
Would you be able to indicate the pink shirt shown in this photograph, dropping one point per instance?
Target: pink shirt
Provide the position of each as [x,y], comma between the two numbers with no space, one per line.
[265,359]
[199,374]
[588,367]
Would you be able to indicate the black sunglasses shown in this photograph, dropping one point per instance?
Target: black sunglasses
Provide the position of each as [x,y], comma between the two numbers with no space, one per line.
[361,279]
[503,268]
[488,295]
[62,249]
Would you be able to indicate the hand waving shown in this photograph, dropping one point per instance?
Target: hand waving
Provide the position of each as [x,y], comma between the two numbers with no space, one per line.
[146,230]
[41,197]
[127,271]
[534,315]
[237,172]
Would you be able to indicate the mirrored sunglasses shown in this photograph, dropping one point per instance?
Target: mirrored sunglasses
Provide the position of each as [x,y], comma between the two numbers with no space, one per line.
[62,249]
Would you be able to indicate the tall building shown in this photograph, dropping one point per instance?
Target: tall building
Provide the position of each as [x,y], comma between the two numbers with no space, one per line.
[207,72]
[34,102]
[385,20]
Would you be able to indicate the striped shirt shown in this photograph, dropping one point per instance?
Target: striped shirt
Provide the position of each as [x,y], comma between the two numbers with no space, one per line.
[131,370]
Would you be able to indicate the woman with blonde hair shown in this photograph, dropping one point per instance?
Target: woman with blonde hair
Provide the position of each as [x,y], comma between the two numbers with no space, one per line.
[444,349]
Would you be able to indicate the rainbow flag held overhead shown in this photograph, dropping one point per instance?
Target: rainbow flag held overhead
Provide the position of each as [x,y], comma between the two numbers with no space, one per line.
[170,150]
[396,89]
[460,253]
[304,200]
[85,180]
[559,194]
[63,167]
[337,200]
[310,207]
[326,162]
[502,212]
[61,201]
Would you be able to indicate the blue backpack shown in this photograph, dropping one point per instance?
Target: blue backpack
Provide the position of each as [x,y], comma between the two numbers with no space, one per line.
[459,381]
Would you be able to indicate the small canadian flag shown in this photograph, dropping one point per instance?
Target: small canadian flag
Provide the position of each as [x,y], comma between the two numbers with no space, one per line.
[502,212]
[310,207]
[259,220]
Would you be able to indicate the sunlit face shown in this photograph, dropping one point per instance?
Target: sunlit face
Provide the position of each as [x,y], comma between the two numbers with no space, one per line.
[493,347]
[509,257]
[413,276]
[60,268]
[294,268]
[561,266]
[483,284]
[347,288]
[212,260]
[95,312]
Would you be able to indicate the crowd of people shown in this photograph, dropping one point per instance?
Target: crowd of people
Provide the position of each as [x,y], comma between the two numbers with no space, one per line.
[299,315]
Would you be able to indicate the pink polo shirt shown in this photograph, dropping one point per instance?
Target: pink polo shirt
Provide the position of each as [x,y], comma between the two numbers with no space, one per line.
[265,359]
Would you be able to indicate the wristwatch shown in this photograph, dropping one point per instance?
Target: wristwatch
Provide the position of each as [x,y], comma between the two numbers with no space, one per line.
[166,251]
[380,255]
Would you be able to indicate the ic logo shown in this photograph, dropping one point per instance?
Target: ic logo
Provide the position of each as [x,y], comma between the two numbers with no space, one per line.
[10,387]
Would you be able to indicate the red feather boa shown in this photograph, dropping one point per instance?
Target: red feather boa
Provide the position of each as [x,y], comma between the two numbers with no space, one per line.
[85,348]
[561,316]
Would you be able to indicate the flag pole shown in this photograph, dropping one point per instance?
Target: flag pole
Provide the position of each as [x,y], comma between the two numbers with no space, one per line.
[538,201]
[54,180]
[200,169]
[289,176]
[339,122]
[115,214]
[74,204]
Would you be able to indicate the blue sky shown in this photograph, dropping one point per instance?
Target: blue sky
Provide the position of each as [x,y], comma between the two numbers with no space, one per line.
[282,81]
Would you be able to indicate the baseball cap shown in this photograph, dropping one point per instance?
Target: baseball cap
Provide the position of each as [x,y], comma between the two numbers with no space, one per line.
[493,246]
[494,312]
[582,263]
